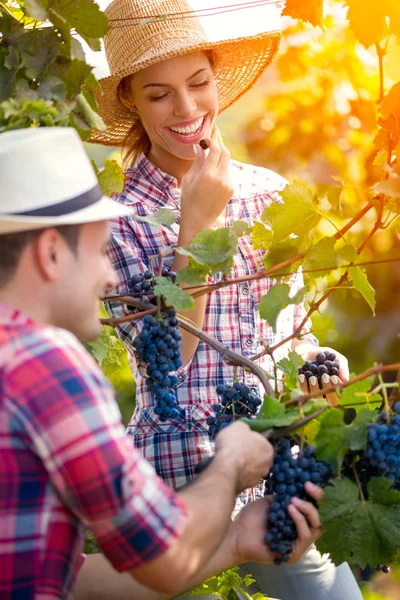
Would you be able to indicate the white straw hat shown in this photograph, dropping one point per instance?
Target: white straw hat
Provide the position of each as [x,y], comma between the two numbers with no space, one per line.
[46,180]
[145,32]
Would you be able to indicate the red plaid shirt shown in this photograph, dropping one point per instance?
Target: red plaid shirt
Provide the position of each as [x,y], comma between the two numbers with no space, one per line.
[232,316]
[66,464]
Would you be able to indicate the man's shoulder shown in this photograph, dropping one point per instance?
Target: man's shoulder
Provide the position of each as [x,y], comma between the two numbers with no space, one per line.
[252,180]
[50,345]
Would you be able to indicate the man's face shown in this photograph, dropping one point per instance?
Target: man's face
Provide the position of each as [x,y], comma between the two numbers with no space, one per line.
[87,275]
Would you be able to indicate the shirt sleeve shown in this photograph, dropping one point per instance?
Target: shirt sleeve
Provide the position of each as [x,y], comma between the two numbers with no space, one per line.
[68,410]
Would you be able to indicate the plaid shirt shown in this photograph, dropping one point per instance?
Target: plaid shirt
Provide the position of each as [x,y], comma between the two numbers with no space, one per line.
[232,316]
[67,464]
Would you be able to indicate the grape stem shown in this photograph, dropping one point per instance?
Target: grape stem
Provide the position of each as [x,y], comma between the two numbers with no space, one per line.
[362,497]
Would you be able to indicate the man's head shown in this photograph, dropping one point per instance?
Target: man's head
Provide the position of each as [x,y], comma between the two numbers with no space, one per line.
[58,275]
[53,230]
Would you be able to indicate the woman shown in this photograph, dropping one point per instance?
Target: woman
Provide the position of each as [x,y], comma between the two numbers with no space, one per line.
[168,83]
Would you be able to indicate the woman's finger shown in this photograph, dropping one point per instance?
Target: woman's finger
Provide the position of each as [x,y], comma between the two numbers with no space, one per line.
[327,382]
[302,527]
[303,384]
[214,153]
[343,368]
[224,160]
[314,491]
[314,386]
[309,511]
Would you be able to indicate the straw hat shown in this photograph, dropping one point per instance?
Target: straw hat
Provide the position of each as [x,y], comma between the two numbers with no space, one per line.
[47,180]
[144,32]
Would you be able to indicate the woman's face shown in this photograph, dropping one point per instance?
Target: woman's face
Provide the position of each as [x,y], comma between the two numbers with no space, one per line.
[177,102]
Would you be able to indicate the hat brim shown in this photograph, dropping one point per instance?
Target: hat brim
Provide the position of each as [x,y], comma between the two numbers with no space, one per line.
[239,64]
[103,210]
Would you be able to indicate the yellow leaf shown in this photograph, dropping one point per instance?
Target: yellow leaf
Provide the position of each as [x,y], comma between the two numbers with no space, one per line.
[261,238]
[367,20]
[111,178]
[310,11]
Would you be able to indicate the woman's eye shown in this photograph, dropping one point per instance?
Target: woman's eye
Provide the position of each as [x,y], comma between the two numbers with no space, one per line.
[156,98]
[202,84]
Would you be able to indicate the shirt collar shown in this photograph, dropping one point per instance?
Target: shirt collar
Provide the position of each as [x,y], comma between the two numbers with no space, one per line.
[12,316]
[153,174]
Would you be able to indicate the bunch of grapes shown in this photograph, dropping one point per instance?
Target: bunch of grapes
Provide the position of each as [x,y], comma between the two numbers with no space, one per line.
[288,475]
[237,400]
[142,284]
[324,362]
[383,446]
[158,346]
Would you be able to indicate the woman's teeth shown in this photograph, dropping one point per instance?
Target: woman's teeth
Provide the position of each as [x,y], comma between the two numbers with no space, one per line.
[191,129]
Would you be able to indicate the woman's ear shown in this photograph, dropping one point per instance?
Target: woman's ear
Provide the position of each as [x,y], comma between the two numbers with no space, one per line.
[124,95]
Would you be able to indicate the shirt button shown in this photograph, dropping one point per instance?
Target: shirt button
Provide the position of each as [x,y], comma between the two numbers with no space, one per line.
[253,388]
[181,377]
[249,342]
[245,290]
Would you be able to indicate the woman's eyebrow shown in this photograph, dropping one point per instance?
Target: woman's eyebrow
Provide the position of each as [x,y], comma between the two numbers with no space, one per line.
[168,85]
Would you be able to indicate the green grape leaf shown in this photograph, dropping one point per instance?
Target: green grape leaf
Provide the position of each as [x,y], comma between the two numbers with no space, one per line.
[7,77]
[290,366]
[334,196]
[281,252]
[93,43]
[361,283]
[111,178]
[173,294]
[163,216]
[212,246]
[276,300]
[320,256]
[193,274]
[261,237]
[91,117]
[92,84]
[240,228]
[367,20]
[298,214]
[73,73]
[272,414]
[12,60]
[358,393]
[83,15]
[310,11]
[347,254]
[51,88]
[358,531]
[39,49]
[109,352]
[335,439]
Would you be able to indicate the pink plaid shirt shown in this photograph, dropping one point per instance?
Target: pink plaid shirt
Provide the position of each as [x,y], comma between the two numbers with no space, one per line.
[232,316]
[67,464]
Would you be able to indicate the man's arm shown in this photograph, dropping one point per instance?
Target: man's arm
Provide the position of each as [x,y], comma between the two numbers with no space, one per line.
[244,542]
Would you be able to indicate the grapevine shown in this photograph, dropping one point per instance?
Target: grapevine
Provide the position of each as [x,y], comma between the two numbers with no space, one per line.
[237,401]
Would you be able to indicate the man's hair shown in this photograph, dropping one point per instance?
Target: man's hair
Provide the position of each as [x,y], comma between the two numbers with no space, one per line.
[13,244]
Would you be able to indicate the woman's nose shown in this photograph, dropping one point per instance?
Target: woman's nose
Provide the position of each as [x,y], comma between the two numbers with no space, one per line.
[185,105]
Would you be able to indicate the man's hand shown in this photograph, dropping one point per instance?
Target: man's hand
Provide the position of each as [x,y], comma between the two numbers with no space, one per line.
[309,352]
[250,528]
[249,453]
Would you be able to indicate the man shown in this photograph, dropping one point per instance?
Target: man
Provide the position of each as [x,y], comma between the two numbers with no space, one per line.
[65,462]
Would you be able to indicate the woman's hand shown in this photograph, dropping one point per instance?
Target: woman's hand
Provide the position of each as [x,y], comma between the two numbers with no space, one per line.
[309,352]
[206,187]
[250,527]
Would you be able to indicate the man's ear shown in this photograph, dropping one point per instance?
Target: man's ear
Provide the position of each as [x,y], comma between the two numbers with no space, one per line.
[51,253]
